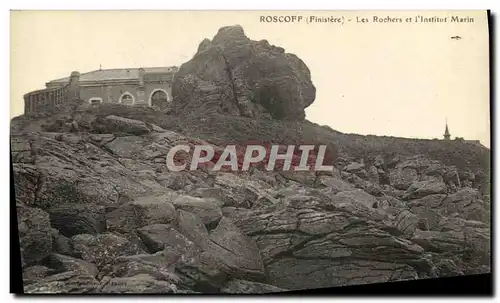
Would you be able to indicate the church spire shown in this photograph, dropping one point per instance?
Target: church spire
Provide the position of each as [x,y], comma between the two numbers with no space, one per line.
[446,132]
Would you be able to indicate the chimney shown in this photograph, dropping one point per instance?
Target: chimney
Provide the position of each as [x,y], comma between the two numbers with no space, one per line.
[141,76]
[74,86]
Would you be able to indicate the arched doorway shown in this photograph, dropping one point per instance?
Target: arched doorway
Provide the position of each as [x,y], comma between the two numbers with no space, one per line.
[159,99]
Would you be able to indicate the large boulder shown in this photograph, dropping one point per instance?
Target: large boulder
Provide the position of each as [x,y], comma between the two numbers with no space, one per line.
[146,210]
[34,234]
[421,189]
[402,178]
[114,123]
[237,76]
[156,236]
[192,227]
[236,253]
[206,209]
[66,263]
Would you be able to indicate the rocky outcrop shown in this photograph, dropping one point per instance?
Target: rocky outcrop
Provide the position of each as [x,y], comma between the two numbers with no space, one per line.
[237,76]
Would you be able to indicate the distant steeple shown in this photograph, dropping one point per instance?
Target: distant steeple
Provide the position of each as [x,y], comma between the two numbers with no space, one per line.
[446,132]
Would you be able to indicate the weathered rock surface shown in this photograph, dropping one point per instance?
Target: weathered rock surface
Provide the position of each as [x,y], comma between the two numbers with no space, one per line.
[103,248]
[207,209]
[146,210]
[236,252]
[467,203]
[191,226]
[156,236]
[402,178]
[248,287]
[74,219]
[63,263]
[317,237]
[60,243]
[123,125]
[335,184]
[138,284]
[69,282]
[34,234]
[244,78]
[35,273]
[424,188]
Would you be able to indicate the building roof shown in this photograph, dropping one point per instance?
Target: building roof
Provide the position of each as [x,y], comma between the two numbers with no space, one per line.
[43,90]
[117,74]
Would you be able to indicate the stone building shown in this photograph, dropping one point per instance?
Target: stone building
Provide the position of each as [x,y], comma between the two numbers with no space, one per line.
[132,86]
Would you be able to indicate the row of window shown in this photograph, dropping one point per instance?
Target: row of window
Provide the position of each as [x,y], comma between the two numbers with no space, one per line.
[36,100]
[127,98]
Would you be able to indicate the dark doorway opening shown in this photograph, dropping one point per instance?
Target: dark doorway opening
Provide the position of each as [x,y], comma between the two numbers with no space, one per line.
[159,99]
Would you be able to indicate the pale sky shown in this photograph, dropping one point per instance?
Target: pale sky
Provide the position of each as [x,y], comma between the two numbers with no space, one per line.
[395,79]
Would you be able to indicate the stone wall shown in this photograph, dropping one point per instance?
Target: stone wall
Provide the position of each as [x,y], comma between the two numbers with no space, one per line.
[112,93]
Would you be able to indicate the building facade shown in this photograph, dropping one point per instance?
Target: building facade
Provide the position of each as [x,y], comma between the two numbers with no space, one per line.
[133,86]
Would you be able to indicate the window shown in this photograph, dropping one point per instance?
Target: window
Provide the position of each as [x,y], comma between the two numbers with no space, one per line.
[94,101]
[127,98]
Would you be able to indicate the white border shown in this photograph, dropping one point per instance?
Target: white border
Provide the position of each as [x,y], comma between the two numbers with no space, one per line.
[212,5]
[252,5]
